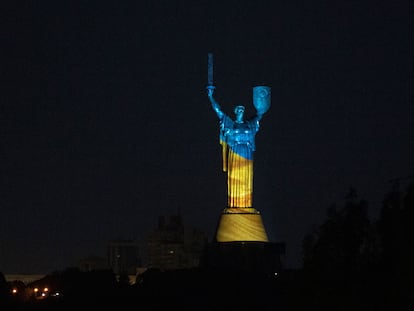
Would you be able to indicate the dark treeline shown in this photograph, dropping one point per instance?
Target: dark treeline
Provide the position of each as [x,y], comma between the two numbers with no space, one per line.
[350,262]
[187,289]
[353,263]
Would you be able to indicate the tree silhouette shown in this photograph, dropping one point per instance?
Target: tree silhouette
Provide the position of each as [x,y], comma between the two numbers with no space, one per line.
[397,241]
[350,262]
[339,254]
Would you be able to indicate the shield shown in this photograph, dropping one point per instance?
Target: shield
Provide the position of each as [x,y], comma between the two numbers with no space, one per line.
[261,98]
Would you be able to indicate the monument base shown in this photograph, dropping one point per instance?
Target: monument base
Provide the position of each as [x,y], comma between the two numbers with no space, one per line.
[240,224]
[241,244]
[253,257]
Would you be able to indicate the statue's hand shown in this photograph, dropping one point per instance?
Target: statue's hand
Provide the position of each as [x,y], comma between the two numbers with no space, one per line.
[210,90]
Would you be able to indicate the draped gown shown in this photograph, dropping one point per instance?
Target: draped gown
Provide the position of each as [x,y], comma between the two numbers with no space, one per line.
[238,143]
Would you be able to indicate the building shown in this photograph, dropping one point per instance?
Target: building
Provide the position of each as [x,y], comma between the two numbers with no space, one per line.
[92,263]
[173,245]
[124,256]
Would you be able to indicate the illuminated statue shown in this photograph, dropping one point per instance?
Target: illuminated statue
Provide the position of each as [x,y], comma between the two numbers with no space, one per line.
[237,138]
[239,221]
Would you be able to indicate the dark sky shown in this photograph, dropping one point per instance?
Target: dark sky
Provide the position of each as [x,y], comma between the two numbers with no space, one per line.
[105,123]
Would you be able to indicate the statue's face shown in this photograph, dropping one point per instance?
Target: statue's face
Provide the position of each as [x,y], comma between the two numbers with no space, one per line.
[239,110]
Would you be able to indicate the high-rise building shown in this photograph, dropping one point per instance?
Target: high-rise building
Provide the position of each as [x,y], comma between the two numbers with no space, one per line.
[124,256]
[173,245]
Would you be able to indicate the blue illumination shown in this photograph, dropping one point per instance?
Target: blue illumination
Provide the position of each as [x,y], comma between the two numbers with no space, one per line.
[239,134]
[237,137]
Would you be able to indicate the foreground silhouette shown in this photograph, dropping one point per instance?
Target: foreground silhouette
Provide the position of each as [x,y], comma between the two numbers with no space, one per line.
[349,263]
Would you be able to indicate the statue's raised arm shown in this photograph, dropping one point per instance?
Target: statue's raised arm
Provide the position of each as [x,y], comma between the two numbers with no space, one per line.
[214,103]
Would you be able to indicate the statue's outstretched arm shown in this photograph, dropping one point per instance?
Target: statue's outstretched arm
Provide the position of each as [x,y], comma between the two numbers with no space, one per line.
[214,103]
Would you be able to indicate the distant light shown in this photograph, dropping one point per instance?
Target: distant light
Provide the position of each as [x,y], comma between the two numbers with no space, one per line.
[46,289]
[14,290]
[276,274]
[35,289]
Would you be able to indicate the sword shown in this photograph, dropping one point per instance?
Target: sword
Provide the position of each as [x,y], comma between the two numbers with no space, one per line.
[210,84]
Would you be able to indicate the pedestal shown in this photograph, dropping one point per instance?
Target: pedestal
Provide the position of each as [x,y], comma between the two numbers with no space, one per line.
[241,244]
[240,224]
[250,256]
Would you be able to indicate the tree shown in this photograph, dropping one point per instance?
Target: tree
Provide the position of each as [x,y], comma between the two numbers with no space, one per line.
[339,254]
[4,289]
[397,243]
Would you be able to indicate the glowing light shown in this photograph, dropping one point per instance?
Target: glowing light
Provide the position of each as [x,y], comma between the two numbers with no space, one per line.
[239,221]
[239,225]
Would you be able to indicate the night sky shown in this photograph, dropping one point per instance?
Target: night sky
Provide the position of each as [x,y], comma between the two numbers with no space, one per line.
[105,123]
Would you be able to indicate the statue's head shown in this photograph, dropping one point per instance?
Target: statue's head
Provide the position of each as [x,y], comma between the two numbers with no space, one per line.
[239,109]
[239,112]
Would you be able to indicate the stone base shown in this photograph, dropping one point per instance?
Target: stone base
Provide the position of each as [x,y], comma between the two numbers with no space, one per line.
[240,224]
[254,257]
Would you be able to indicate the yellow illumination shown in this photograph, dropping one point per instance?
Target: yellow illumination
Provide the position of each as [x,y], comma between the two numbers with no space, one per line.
[240,179]
[241,224]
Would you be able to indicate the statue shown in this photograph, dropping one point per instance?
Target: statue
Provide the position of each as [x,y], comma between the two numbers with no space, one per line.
[239,221]
[237,138]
